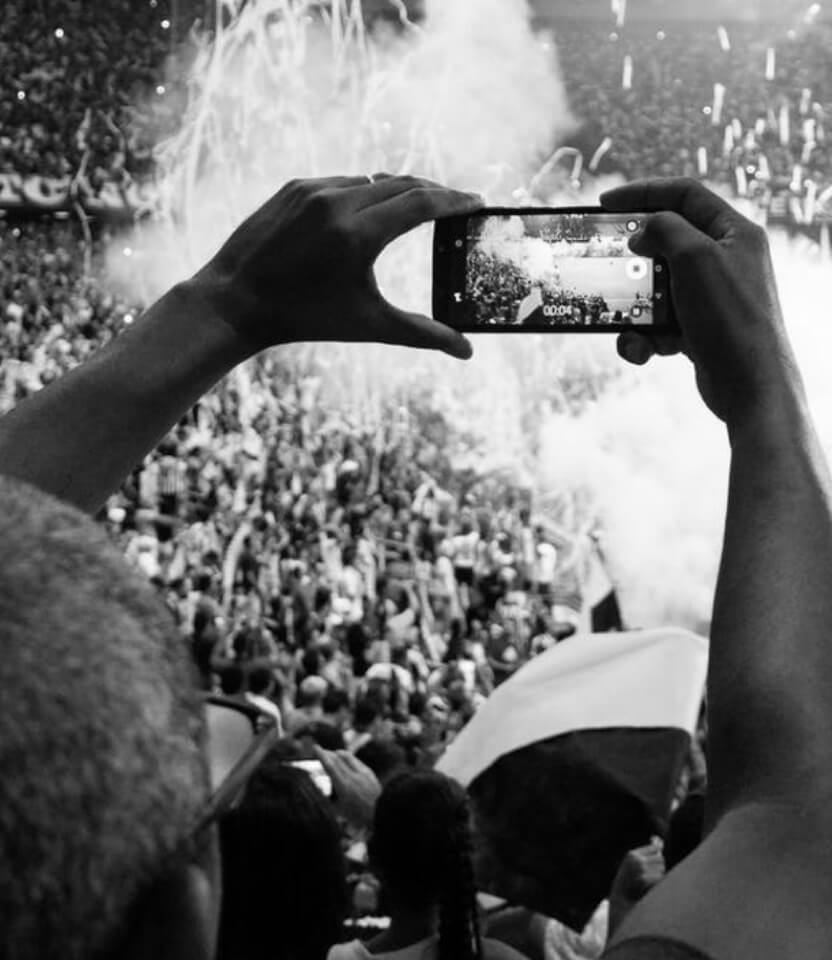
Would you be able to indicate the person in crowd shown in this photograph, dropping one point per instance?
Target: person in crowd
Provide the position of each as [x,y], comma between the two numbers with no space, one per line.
[766,823]
[426,874]
[283,872]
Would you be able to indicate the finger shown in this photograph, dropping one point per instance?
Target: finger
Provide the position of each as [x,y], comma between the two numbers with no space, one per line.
[688,197]
[415,330]
[384,186]
[670,236]
[634,348]
[382,222]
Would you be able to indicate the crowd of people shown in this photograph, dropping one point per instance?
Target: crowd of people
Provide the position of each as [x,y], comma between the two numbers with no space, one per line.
[337,573]
[650,88]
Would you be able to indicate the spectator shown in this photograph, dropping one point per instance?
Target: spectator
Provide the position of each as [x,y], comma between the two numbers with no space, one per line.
[420,849]
[284,880]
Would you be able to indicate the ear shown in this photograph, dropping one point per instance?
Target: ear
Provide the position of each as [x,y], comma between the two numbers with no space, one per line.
[178,917]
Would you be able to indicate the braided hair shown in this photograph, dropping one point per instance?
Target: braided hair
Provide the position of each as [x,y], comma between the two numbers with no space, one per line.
[421,847]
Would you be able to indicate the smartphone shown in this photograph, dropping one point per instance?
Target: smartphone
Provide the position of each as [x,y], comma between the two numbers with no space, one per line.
[315,769]
[539,269]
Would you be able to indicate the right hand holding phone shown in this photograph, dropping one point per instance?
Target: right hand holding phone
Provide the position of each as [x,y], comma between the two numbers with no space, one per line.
[723,289]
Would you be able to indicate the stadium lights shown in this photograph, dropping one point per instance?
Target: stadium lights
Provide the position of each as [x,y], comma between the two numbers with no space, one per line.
[127,251]
[21,95]
[160,89]
[706,111]
[661,35]
[613,37]
[166,24]
[59,33]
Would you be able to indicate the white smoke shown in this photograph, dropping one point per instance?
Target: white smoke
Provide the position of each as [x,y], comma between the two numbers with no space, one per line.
[474,99]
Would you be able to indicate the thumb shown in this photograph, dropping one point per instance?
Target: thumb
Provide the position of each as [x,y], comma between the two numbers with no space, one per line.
[667,235]
[416,330]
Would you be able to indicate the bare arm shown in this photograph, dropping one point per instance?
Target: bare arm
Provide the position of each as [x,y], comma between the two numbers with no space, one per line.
[760,883]
[80,436]
[300,268]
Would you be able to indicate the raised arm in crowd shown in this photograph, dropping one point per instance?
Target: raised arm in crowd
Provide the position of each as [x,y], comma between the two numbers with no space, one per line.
[301,269]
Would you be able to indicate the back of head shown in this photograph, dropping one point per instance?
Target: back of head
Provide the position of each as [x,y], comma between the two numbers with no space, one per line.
[284,882]
[101,734]
[421,849]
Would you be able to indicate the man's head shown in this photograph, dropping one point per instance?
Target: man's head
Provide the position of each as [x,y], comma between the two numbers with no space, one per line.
[101,745]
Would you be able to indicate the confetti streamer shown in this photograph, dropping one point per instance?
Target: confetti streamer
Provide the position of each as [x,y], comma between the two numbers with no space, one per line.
[724,42]
[805,101]
[719,100]
[809,130]
[702,161]
[620,13]
[627,75]
[737,127]
[825,245]
[809,205]
[742,182]
[763,168]
[785,127]
[797,178]
[728,141]
[603,148]
[770,63]
[760,126]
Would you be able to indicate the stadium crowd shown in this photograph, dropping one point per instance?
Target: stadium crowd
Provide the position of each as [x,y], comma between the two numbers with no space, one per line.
[341,576]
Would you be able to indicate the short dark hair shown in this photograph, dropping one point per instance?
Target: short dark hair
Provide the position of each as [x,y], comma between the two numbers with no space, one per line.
[101,733]
[383,757]
[335,699]
[260,679]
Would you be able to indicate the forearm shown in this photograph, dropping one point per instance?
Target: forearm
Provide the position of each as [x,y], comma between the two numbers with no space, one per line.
[771,655]
[79,437]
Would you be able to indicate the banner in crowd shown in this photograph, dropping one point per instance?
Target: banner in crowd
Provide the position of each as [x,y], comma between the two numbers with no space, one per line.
[39,194]
[574,761]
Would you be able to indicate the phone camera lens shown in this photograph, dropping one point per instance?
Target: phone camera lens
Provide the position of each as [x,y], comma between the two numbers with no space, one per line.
[458,243]
[658,268]
[632,225]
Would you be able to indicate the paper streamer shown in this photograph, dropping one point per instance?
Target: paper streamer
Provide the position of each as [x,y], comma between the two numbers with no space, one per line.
[627,74]
[797,178]
[784,125]
[742,182]
[719,100]
[728,141]
[763,168]
[603,148]
[825,247]
[702,161]
[737,128]
[770,63]
[724,42]
[805,100]
[760,126]
[809,203]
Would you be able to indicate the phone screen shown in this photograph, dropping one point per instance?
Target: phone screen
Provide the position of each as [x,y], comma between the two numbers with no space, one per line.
[542,269]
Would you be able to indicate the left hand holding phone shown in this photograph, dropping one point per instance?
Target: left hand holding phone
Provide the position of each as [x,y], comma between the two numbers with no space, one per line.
[300,268]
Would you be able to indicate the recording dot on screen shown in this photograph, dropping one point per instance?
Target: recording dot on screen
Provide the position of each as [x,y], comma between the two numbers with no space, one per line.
[458,243]
[636,269]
